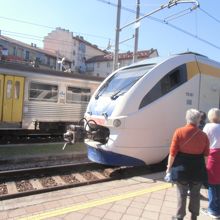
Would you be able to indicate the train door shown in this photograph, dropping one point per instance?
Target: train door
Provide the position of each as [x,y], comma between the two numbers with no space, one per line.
[1,94]
[13,99]
[17,106]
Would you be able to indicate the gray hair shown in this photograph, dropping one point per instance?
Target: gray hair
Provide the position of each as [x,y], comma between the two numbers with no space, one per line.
[214,115]
[192,116]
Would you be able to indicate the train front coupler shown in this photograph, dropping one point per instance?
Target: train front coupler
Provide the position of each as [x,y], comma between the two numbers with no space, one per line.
[74,133]
[87,129]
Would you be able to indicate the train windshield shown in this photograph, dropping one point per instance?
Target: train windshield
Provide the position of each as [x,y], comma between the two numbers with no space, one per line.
[122,81]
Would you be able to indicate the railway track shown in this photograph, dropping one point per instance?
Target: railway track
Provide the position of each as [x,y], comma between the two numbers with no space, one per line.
[19,183]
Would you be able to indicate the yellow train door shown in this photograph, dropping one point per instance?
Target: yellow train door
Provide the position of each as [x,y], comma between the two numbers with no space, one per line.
[18,99]
[13,99]
[7,99]
[1,95]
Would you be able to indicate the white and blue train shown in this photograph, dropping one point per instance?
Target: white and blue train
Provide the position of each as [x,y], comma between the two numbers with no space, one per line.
[138,107]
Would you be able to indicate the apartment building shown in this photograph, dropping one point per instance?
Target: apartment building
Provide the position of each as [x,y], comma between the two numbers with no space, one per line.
[17,51]
[64,44]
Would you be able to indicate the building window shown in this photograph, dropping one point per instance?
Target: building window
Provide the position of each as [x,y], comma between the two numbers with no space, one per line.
[98,65]
[27,55]
[169,82]
[82,47]
[54,62]
[43,92]
[108,64]
[76,94]
[48,61]
[90,67]
[19,52]
[14,51]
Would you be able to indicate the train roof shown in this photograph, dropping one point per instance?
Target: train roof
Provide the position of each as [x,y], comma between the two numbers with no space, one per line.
[156,60]
[182,57]
[150,61]
[27,68]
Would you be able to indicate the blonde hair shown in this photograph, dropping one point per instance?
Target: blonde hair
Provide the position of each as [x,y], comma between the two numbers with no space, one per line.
[214,115]
[192,116]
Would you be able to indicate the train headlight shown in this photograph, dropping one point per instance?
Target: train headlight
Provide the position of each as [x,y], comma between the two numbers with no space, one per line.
[117,123]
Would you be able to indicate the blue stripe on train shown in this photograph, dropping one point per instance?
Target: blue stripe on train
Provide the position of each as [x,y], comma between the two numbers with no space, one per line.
[111,158]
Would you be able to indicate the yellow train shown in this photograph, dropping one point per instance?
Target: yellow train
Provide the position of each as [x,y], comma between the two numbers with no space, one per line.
[32,98]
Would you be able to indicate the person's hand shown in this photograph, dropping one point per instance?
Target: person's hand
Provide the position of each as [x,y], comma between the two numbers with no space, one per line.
[168,169]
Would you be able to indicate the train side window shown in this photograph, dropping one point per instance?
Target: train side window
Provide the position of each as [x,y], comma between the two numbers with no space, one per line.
[168,83]
[43,92]
[76,94]
[9,89]
[17,90]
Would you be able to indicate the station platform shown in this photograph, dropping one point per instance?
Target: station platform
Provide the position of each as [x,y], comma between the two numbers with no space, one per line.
[145,197]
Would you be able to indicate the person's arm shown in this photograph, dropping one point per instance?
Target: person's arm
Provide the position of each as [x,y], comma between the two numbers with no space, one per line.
[206,153]
[206,159]
[174,147]
[170,163]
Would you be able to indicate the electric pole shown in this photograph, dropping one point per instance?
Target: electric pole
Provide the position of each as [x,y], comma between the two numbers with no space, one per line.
[136,35]
[170,4]
[115,61]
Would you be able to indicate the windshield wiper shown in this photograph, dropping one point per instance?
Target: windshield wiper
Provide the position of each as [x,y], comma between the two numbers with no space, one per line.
[119,92]
[100,92]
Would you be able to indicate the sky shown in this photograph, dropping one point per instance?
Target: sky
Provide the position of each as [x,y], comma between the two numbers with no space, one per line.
[30,21]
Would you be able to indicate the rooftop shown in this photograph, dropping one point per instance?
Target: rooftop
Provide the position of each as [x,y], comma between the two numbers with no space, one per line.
[31,47]
[122,56]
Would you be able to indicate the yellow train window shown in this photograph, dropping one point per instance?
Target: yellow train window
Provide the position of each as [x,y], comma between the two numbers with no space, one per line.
[9,89]
[17,90]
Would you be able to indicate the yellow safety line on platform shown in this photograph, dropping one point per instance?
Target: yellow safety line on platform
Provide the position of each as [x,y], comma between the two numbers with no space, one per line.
[94,203]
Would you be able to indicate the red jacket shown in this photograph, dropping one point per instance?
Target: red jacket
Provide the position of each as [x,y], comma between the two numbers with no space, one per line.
[190,140]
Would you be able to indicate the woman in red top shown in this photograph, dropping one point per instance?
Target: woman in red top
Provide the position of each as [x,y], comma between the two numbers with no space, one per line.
[188,148]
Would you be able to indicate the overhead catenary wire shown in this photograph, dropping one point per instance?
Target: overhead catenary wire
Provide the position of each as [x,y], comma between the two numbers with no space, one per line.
[169,24]
[34,37]
[50,27]
[186,32]
[40,39]
[211,16]
[124,8]
[194,36]
[177,15]
[54,41]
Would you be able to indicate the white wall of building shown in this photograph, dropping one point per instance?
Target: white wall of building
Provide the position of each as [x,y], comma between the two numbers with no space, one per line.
[74,48]
[60,41]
